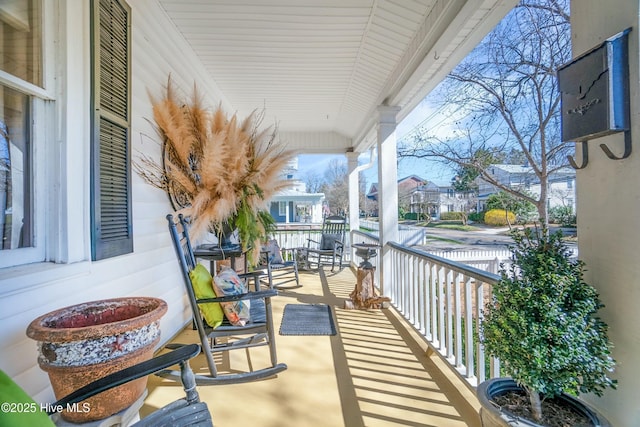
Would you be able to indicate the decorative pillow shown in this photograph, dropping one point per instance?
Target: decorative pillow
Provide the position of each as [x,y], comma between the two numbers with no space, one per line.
[275,256]
[227,282]
[20,409]
[328,241]
[203,288]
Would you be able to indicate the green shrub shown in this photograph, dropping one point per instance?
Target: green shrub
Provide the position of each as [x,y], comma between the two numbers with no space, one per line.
[499,217]
[416,216]
[452,216]
[476,216]
[543,324]
[562,215]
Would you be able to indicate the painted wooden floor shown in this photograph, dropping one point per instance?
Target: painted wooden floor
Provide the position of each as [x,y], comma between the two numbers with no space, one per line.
[374,372]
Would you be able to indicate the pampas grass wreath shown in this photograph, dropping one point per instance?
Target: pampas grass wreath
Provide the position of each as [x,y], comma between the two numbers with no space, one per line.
[224,169]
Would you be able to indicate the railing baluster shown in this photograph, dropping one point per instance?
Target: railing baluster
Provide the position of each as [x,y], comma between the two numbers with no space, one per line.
[468,323]
[442,289]
[417,316]
[479,347]
[433,281]
[449,324]
[457,321]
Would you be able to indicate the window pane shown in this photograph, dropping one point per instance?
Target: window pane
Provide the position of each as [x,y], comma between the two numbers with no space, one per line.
[15,161]
[21,39]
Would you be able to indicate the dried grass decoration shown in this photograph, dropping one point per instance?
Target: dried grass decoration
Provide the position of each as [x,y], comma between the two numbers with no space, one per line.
[218,171]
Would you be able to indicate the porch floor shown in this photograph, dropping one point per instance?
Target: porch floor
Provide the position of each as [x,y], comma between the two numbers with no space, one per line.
[374,372]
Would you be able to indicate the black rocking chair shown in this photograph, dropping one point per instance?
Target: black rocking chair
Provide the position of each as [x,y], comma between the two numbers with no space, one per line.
[257,332]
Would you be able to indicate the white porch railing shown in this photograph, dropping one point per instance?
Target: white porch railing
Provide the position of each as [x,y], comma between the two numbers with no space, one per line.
[407,236]
[298,235]
[443,300]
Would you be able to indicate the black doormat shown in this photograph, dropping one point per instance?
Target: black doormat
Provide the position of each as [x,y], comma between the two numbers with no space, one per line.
[307,319]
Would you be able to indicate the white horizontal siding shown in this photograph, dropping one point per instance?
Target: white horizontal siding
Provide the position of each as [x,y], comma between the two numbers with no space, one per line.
[152,270]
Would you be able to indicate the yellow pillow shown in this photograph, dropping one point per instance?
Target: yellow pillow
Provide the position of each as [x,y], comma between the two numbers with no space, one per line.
[203,288]
[18,409]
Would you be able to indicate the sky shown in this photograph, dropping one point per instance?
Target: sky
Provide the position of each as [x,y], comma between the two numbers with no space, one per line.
[429,170]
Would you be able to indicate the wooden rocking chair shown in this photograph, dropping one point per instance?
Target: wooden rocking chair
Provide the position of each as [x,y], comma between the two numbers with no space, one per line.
[257,332]
[331,244]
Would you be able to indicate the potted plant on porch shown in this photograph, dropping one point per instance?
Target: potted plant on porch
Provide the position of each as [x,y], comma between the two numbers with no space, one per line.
[542,324]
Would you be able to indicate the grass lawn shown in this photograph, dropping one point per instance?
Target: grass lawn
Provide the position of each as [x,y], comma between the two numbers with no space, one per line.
[453,226]
[442,239]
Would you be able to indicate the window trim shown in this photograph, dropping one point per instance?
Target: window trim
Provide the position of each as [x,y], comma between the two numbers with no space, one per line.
[42,150]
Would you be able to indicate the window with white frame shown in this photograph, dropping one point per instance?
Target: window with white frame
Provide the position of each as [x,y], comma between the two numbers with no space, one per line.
[282,208]
[23,107]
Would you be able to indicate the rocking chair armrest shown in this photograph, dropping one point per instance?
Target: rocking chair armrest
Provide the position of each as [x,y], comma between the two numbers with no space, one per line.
[126,375]
[268,293]
[311,240]
[251,274]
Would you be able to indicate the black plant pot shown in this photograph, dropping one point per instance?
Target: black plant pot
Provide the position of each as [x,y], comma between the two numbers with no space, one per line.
[492,416]
[225,236]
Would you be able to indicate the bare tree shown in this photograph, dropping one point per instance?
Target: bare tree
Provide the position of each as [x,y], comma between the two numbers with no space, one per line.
[504,97]
[336,186]
[313,182]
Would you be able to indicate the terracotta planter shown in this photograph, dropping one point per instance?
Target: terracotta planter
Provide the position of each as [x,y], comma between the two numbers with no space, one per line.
[492,416]
[84,342]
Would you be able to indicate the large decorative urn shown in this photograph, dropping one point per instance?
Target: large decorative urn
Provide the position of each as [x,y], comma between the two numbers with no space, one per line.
[81,343]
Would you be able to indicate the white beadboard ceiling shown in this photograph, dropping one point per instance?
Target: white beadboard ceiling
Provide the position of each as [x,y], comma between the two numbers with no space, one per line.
[320,68]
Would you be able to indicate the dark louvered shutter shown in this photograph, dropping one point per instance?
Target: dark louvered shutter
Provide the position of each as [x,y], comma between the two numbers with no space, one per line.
[110,150]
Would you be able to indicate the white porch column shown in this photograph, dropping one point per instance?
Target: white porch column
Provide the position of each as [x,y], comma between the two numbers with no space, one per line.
[608,201]
[287,213]
[354,191]
[387,187]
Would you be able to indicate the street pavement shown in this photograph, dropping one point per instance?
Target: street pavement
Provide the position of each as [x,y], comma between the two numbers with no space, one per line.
[485,238]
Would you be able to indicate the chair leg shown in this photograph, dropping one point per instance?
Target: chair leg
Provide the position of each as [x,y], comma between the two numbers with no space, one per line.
[271,333]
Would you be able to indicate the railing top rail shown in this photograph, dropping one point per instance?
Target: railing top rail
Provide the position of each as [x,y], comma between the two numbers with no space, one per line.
[476,273]
[363,233]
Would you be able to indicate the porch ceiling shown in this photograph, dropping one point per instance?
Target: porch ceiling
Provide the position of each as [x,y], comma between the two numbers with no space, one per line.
[320,68]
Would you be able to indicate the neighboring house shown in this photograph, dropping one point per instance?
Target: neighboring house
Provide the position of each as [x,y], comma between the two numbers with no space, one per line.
[434,200]
[406,186]
[561,191]
[295,204]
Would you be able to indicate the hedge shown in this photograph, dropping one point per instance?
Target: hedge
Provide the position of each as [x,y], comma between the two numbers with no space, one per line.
[452,216]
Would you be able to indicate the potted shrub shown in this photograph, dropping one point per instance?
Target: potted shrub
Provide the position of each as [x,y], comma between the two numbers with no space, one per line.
[542,324]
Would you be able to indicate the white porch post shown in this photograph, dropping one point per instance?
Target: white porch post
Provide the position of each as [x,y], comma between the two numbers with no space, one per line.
[354,191]
[286,213]
[387,187]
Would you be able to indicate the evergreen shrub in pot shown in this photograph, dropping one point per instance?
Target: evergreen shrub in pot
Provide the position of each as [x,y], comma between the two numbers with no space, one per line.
[542,324]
